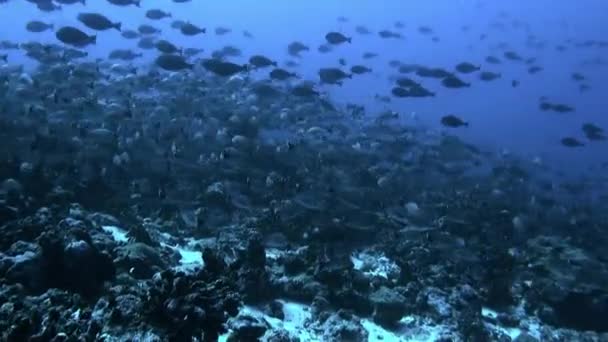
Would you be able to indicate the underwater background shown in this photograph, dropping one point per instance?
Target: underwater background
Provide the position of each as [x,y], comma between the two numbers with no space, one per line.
[196,170]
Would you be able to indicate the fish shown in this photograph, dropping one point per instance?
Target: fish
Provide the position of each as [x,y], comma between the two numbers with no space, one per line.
[189,29]
[369,55]
[75,37]
[37,26]
[172,62]
[571,142]
[593,132]
[221,68]
[359,69]
[492,60]
[130,34]
[147,43]
[220,31]
[453,121]
[166,47]
[295,48]
[324,48]
[304,90]
[124,54]
[454,82]
[387,34]
[362,30]
[489,76]
[125,2]
[467,68]
[96,21]
[259,61]
[333,75]
[147,29]
[281,74]
[337,38]
[157,14]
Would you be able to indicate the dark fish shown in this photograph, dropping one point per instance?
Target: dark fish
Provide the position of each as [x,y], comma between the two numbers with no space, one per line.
[172,62]
[369,55]
[333,75]
[420,91]
[534,69]
[304,90]
[362,30]
[157,14]
[360,69]
[124,2]
[593,132]
[165,46]
[189,29]
[453,121]
[454,82]
[220,31]
[4,58]
[342,61]
[295,48]
[71,2]
[47,6]
[147,43]
[512,56]
[571,142]
[226,51]
[342,19]
[37,26]
[129,34]
[123,54]
[405,82]
[386,34]
[247,34]
[147,29]
[577,77]
[425,30]
[259,61]
[222,68]
[177,24]
[489,76]
[189,52]
[560,108]
[466,67]
[324,48]
[408,68]
[73,36]
[291,64]
[281,74]
[514,83]
[400,92]
[433,72]
[264,90]
[97,22]
[492,60]
[337,38]
[399,24]
[394,63]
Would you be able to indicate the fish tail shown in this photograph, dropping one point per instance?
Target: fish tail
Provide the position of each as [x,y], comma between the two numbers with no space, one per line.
[118,26]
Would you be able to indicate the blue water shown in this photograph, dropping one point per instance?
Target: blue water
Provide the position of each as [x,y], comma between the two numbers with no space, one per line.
[501,117]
